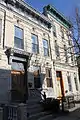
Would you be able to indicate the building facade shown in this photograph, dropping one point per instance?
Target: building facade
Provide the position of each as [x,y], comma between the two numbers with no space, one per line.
[34,52]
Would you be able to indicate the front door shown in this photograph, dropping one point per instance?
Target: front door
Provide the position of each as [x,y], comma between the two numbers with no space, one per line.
[37,83]
[60,86]
[18,85]
[36,73]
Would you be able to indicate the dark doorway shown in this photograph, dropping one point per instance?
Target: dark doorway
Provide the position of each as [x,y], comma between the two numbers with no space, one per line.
[18,86]
[37,82]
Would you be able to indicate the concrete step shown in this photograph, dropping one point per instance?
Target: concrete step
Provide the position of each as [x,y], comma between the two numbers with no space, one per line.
[33,102]
[48,117]
[33,106]
[34,110]
[38,115]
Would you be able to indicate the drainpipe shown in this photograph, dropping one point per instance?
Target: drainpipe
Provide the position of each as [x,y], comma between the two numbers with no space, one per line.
[4,29]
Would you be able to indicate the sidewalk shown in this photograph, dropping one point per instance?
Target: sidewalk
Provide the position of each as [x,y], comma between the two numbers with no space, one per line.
[74,114]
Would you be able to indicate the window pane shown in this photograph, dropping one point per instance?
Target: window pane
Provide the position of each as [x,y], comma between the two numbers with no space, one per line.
[35,46]
[18,38]
[76,84]
[18,32]
[49,78]
[45,52]
[69,83]
[54,28]
[45,43]
[34,39]
[18,43]
[57,49]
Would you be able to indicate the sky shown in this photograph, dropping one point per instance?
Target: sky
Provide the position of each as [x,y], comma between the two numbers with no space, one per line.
[66,7]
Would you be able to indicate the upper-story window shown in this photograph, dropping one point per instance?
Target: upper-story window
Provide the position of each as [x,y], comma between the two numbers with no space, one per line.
[57,49]
[69,82]
[45,47]
[35,44]
[62,32]
[0,29]
[49,77]
[76,83]
[54,30]
[18,38]
[65,53]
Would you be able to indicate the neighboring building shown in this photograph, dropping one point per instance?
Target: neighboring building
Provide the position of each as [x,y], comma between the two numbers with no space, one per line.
[37,43]
[65,69]
[78,64]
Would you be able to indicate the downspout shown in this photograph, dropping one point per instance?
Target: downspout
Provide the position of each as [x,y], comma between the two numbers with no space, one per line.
[50,51]
[4,29]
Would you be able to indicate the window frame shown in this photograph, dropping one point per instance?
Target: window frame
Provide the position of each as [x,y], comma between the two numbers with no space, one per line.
[46,48]
[49,77]
[62,32]
[54,30]
[76,83]
[57,49]
[66,53]
[21,39]
[69,83]
[37,45]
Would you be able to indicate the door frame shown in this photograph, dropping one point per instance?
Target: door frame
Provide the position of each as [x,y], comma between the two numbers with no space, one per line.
[61,82]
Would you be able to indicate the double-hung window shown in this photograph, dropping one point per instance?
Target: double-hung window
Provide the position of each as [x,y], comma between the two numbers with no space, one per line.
[69,82]
[57,49]
[35,44]
[54,31]
[18,38]
[49,77]
[65,53]
[45,47]
[62,32]
[76,82]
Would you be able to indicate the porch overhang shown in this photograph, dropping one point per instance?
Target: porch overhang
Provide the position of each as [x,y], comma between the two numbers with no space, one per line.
[18,55]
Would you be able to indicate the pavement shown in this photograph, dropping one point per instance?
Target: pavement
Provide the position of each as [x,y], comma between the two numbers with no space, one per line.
[73,114]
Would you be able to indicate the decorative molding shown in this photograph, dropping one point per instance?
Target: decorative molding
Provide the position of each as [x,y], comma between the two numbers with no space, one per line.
[29,10]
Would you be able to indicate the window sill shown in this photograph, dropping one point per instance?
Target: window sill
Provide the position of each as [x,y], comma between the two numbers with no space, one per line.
[19,48]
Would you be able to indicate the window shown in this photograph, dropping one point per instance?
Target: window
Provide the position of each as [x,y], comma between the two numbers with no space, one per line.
[57,49]
[76,83]
[69,83]
[18,38]
[49,77]
[65,52]
[54,31]
[37,80]
[62,32]
[45,47]
[0,29]
[35,44]
[72,54]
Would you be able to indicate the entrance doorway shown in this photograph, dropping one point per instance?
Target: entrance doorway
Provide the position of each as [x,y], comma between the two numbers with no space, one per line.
[37,83]
[37,80]
[60,86]
[18,86]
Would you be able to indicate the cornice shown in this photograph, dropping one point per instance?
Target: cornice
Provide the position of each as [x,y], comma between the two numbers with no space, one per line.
[19,4]
[49,9]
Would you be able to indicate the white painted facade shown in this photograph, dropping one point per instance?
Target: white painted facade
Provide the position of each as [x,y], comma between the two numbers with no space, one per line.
[11,16]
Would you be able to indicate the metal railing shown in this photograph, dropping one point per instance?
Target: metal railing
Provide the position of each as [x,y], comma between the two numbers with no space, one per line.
[10,112]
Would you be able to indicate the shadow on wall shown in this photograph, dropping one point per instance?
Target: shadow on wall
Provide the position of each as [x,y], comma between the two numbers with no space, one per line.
[35,80]
[5,85]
